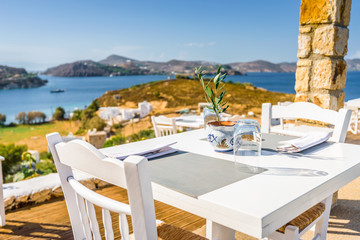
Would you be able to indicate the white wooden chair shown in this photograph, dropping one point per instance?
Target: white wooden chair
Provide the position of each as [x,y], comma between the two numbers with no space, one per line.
[354,126]
[304,110]
[131,173]
[163,126]
[2,206]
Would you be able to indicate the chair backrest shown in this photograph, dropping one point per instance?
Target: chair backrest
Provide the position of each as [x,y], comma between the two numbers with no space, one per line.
[309,111]
[163,126]
[132,173]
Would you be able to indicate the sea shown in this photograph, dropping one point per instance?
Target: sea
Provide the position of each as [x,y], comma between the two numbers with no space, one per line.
[80,91]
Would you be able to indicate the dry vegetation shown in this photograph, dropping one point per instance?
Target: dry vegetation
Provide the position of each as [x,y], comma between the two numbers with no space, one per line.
[170,95]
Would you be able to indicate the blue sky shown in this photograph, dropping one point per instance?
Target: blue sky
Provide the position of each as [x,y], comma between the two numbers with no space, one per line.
[40,33]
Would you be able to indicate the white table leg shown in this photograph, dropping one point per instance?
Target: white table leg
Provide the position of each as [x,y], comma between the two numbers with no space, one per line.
[215,231]
[322,225]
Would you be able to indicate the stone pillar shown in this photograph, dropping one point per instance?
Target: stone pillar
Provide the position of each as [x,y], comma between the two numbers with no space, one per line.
[323,37]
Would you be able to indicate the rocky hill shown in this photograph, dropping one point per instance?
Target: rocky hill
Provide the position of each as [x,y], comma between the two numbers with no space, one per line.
[90,68]
[11,78]
[353,64]
[116,65]
[170,95]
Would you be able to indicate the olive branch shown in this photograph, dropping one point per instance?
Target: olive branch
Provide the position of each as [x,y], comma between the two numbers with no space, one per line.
[213,95]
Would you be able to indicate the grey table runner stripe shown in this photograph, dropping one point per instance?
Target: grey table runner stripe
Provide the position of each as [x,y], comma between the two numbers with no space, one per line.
[195,175]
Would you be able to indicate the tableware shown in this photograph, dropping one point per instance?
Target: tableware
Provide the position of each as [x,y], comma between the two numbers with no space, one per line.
[247,140]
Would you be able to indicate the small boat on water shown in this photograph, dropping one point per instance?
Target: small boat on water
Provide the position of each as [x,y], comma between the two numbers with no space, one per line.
[57,90]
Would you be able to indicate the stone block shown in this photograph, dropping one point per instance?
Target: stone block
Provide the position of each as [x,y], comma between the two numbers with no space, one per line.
[304,63]
[9,201]
[305,29]
[301,97]
[325,11]
[322,100]
[340,100]
[22,199]
[97,139]
[302,79]
[41,196]
[346,13]
[57,192]
[330,40]
[329,74]
[304,42]
[101,184]
[328,100]
[89,183]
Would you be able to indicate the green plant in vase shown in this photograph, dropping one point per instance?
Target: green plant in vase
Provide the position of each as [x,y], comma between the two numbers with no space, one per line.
[214,94]
[220,133]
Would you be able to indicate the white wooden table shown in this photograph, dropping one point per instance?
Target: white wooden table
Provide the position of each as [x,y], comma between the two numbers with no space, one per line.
[259,205]
[190,121]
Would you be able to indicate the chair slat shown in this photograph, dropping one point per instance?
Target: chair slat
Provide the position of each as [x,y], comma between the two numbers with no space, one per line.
[124,227]
[93,221]
[83,216]
[109,233]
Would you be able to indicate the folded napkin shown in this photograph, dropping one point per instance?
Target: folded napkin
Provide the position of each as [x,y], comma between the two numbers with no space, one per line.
[299,144]
[150,151]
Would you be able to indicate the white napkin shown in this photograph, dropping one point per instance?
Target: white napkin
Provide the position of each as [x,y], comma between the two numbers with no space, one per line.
[299,144]
[151,151]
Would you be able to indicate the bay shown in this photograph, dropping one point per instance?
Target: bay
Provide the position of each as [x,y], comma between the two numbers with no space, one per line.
[80,91]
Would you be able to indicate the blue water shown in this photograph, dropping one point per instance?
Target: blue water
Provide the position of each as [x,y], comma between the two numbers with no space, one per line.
[81,91]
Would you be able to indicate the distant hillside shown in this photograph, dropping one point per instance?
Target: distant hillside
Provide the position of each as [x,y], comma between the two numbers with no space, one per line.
[115,65]
[11,78]
[90,68]
[263,66]
[353,64]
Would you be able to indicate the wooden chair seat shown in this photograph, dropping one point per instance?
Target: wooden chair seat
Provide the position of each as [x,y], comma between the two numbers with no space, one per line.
[306,218]
[168,232]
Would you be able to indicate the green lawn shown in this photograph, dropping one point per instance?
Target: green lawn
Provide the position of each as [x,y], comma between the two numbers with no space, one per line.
[34,135]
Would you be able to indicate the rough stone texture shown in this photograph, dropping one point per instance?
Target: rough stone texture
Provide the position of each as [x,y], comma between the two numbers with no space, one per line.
[302,79]
[328,101]
[325,11]
[304,42]
[329,74]
[9,202]
[22,199]
[346,13]
[101,184]
[57,192]
[42,196]
[89,183]
[301,97]
[305,29]
[330,40]
[304,63]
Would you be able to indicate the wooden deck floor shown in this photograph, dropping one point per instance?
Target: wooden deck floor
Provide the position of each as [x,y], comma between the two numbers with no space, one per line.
[51,221]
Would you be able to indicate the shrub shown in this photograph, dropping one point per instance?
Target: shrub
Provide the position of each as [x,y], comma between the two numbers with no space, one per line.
[94,106]
[95,122]
[142,135]
[12,155]
[21,117]
[116,140]
[2,119]
[76,115]
[59,114]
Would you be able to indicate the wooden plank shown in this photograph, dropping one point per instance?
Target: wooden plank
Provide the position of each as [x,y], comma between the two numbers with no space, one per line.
[51,220]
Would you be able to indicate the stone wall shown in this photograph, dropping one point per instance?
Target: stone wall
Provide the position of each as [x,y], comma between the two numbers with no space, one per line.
[40,189]
[323,37]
